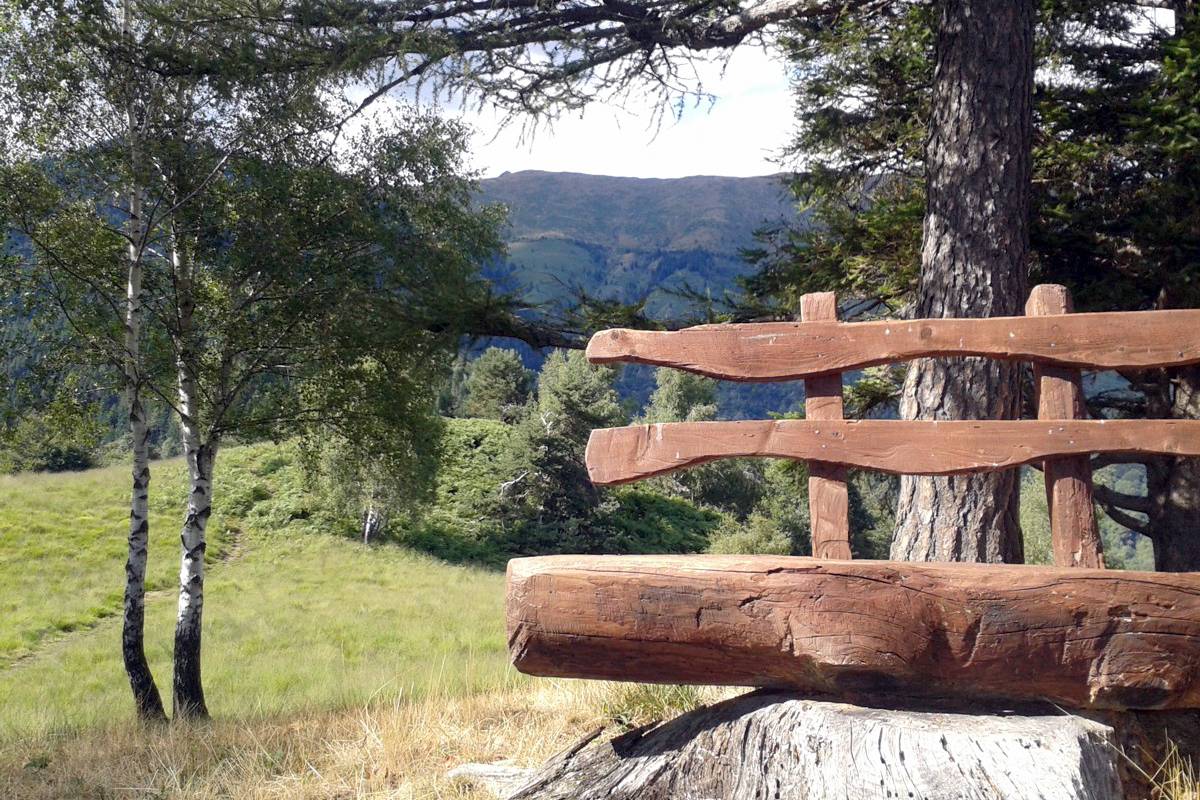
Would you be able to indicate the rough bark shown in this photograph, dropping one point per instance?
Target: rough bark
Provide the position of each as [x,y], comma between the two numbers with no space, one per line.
[146,698]
[1075,535]
[1174,488]
[974,263]
[788,747]
[862,629]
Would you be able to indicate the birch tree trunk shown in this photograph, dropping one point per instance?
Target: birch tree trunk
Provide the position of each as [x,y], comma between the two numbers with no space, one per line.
[974,263]
[188,689]
[374,521]
[146,697]
[133,651]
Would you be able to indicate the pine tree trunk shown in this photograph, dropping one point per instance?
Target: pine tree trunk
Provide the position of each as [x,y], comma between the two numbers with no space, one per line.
[1173,486]
[974,263]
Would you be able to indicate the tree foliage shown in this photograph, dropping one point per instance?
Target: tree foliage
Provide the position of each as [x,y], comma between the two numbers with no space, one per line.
[734,486]
[497,385]
[548,494]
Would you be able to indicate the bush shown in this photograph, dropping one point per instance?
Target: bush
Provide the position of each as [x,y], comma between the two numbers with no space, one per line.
[758,535]
[63,436]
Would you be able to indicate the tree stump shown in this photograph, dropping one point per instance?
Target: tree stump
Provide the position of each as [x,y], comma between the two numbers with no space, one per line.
[785,746]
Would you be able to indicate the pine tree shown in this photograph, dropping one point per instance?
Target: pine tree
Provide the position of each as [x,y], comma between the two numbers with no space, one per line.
[1113,211]
[548,498]
[497,385]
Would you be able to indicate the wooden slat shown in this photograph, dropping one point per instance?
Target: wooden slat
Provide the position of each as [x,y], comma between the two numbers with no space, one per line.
[1079,637]
[776,351]
[916,447]
[828,495]
[1075,535]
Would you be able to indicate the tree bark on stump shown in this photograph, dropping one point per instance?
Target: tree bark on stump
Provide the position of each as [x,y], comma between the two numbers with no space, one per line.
[789,747]
[1173,485]
[974,260]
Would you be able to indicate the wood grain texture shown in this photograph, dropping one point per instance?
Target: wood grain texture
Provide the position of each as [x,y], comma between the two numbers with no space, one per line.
[856,629]
[788,747]
[828,495]
[1075,534]
[912,447]
[775,351]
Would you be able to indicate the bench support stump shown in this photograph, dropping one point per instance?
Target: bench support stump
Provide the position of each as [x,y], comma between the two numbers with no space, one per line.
[788,747]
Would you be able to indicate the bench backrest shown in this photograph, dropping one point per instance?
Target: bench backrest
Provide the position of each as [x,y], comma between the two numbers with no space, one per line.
[818,349]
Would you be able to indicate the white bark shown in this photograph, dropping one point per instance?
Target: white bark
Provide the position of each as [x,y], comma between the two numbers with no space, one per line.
[141,681]
[200,452]
[374,521]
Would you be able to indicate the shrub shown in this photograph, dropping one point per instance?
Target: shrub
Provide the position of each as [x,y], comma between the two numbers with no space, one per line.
[758,535]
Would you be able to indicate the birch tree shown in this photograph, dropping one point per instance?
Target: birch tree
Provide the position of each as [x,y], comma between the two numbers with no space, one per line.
[85,227]
[246,260]
[306,287]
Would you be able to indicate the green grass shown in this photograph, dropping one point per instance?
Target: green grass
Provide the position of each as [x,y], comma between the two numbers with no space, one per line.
[62,549]
[295,619]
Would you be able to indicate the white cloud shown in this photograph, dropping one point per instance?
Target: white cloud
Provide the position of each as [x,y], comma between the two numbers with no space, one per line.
[739,134]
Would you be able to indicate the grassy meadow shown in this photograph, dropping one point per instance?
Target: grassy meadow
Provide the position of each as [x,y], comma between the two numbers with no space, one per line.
[333,669]
[296,620]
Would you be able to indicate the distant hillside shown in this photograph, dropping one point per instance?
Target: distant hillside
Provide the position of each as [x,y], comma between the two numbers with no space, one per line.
[627,238]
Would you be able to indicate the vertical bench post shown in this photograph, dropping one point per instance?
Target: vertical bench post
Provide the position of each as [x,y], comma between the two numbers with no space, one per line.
[1074,533]
[828,499]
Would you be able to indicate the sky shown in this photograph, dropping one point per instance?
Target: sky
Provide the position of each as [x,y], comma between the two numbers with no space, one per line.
[739,134]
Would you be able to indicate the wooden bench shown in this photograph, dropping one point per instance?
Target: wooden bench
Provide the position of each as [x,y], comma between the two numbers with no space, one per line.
[1074,633]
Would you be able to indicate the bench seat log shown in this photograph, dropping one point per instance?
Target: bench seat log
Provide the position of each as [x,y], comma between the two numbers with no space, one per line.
[1082,638]
[773,351]
[913,447]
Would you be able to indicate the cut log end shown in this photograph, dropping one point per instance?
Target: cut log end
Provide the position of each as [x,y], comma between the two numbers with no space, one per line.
[1081,638]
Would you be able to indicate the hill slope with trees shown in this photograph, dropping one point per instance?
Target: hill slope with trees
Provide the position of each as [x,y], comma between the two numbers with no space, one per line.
[630,238]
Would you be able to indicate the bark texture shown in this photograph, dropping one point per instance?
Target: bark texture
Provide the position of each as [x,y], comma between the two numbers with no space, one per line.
[201,454]
[146,697]
[862,629]
[786,747]
[974,263]
[188,688]
[1174,486]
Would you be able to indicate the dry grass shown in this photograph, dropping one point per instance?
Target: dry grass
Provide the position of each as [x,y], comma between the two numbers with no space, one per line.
[399,751]
[1177,778]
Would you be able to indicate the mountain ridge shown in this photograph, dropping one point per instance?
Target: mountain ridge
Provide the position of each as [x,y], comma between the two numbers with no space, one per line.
[625,238]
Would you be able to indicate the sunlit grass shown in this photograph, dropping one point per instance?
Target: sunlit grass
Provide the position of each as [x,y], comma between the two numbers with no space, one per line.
[296,620]
[62,549]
